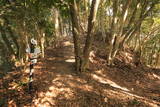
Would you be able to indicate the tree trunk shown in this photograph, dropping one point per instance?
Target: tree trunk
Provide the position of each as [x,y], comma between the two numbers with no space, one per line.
[91,24]
[11,34]
[42,44]
[61,26]
[117,30]
[158,60]
[57,27]
[76,33]
[112,34]
[15,41]
[7,42]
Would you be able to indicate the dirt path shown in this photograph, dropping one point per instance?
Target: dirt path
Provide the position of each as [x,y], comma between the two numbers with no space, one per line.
[58,85]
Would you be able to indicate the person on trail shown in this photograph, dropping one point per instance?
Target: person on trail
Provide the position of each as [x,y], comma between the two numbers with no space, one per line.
[33,52]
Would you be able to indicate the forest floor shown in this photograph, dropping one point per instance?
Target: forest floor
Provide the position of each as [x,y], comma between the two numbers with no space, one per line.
[56,84]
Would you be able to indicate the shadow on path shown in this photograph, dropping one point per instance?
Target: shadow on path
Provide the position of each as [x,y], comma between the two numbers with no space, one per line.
[58,85]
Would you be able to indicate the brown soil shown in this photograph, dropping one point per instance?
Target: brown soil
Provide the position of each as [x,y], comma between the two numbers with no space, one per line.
[56,84]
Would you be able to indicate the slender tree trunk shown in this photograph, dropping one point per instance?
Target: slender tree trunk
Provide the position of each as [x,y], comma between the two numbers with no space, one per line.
[86,13]
[118,37]
[76,34]
[112,35]
[7,42]
[118,34]
[42,44]
[157,60]
[61,26]
[11,34]
[57,27]
[111,44]
[15,41]
[91,24]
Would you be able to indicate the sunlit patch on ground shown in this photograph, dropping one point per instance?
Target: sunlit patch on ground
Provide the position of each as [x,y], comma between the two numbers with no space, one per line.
[70,60]
[51,59]
[156,76]
[67,43]
[52,94]
[107,81]
[125,96]
[116,94]
[57,91]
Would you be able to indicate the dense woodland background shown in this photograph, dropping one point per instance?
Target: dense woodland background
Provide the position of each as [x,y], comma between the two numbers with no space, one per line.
[118,31]
[116,24]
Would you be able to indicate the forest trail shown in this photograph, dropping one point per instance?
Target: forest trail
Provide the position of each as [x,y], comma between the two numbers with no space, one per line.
[59,85]
[56,84]
[117,47]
